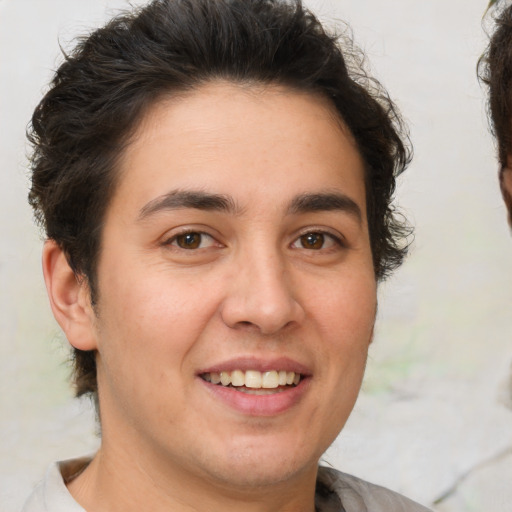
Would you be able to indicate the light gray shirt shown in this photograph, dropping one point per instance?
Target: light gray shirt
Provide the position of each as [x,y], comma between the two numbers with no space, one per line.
[336,492]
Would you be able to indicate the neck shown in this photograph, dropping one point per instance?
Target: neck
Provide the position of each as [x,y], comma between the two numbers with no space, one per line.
[115,481]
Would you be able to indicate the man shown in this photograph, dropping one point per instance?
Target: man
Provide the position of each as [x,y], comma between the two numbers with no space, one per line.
[496,71]
[215,188]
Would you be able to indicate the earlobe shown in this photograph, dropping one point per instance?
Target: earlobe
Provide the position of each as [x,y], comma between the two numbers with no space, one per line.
[69,298]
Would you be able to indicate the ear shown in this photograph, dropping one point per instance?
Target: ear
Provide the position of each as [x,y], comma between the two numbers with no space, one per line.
[69,298]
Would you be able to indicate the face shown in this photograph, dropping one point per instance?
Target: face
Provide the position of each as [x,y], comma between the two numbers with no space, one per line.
[235,249]
[506,189]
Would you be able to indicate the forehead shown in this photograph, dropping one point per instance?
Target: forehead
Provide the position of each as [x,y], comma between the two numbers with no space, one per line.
[224,133]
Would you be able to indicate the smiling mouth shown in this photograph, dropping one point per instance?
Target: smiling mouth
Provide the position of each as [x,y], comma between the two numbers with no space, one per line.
[253,381]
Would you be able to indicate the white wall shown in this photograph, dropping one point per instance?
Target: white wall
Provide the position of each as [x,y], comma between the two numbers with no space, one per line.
[432,406]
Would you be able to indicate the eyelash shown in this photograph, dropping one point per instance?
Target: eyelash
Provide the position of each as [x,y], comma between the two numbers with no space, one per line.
[173,241]
[336,240]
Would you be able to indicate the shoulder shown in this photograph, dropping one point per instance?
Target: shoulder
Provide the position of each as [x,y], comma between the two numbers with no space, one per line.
[357,495]
[51,494]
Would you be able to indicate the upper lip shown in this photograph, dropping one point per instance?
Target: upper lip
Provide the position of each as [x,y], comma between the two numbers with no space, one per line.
[258,364]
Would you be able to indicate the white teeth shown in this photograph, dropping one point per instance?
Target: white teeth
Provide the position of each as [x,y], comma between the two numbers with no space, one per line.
[270,380]
[254,379]
[237,378]
[225,378]
[260,391]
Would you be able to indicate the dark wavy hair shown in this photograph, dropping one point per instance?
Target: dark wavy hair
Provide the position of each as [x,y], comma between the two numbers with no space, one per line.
[495,70]
[105,85]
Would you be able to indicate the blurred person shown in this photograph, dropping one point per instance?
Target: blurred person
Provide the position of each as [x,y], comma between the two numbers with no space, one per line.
[495,69]
[215,183]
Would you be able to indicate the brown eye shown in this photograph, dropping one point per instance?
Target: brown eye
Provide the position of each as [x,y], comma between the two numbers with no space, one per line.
[189,240]
[317,241]
[312,241]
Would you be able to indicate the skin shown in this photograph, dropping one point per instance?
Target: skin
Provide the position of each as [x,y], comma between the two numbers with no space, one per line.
[255,289]
[506,189]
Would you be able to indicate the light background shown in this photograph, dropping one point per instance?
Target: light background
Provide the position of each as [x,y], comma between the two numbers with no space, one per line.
[434,416]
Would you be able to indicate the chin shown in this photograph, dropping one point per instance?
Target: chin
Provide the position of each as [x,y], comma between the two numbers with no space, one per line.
[263,464]
[246,475]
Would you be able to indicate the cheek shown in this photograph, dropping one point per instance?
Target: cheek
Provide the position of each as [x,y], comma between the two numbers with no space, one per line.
[345,321]
[345,327]
[151,319]
[348,306]
[147,327]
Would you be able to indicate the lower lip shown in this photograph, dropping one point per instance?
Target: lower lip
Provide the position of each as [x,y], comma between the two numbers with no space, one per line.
[259,405]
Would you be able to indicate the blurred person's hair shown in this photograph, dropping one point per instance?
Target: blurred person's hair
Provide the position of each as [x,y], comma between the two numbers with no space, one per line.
[495,70]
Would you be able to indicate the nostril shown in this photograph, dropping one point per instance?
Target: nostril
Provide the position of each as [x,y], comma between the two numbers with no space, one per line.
[246,325]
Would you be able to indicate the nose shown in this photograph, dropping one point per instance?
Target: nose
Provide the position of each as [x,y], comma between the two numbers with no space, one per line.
[261,297]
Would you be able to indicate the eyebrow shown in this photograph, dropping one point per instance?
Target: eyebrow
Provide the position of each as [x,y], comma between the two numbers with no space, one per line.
[330,201]
[178,199]
[200,200]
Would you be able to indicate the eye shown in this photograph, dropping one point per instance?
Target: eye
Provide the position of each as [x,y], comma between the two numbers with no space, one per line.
[191,240]
[316,241]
